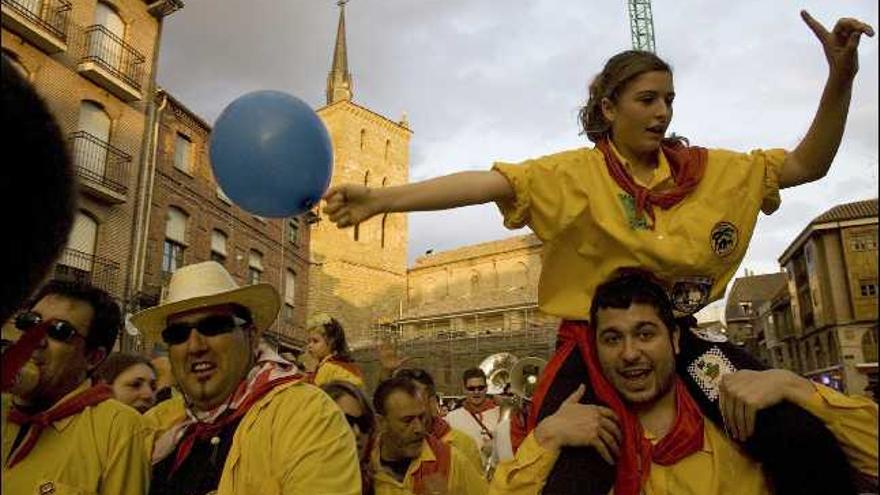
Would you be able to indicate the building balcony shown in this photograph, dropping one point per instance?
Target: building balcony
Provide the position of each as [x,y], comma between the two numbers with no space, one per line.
[112,63]
[102,168]
[79,266]
[42,22]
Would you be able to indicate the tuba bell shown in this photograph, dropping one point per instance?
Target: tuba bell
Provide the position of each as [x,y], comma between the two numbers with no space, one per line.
[497,368]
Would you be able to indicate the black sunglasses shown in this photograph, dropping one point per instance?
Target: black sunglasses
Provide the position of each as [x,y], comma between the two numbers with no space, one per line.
[362,422]
[478,388]
[209,326]
[59,330]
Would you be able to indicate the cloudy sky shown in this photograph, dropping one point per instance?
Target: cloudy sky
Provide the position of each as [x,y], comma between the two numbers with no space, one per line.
[487,80]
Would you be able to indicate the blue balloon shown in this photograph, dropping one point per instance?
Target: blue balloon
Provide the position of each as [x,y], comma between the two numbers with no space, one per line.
[271,154]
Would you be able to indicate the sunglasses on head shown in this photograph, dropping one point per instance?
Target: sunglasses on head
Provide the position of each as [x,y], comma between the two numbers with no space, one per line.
[478,388]
[209,326]
[59,330]
[362,422]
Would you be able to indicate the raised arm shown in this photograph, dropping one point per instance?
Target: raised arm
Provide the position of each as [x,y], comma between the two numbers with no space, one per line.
[350,204]
[812,157]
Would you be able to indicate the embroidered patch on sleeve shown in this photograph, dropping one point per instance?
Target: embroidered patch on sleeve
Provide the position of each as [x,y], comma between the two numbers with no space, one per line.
[724,238]
[708,369]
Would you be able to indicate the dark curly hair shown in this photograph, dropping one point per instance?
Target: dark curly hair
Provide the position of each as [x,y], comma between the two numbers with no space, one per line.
[334,334]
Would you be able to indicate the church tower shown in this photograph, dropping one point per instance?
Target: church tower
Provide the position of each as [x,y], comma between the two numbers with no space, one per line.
[358,274]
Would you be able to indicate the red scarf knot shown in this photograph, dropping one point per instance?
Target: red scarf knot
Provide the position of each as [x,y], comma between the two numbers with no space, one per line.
[40,421]
[686,163]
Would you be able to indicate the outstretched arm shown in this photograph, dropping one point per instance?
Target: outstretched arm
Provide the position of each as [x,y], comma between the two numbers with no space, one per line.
[350,204]
[811,159]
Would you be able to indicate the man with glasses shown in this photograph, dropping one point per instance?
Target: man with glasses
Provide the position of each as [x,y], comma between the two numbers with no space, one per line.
[479,415]
[436,425]
[65,434]
[246,420]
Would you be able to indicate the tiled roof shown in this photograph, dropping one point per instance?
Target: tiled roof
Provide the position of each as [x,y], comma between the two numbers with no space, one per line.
[849,211]
[755,289]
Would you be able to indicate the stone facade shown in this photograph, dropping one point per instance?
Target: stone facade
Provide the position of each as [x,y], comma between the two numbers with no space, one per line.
[281,245]
[832,285]
[359,274]
[94,73]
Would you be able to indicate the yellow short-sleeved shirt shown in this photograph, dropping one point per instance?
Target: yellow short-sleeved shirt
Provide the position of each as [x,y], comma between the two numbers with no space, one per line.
[720,467]
[329,371]
[464,478]
[588,225]
[101,450]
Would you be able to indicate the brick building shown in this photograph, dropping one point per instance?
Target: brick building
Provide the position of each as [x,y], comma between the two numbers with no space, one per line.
[359,274]
[94,64]
[189,220]
[832,284]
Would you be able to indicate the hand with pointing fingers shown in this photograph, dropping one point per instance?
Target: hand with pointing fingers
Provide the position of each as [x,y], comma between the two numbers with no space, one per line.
[581,425]
[841,44]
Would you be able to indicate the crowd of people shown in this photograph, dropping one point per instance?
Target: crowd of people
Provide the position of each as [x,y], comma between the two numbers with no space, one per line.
[639,232]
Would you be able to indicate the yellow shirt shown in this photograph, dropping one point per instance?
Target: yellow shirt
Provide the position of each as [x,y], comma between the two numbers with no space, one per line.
[101,450]
[589,229]
[464,477]
[720,467]
[465,445]
[294,440]
[328,371]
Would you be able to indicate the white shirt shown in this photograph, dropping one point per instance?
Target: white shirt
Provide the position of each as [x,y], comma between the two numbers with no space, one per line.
[461,419]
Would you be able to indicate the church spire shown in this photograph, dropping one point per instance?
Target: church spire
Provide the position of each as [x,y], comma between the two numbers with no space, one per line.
[339,85]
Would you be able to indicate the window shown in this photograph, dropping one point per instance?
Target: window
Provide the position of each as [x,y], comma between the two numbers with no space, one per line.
[868,288]
[363,138]
[93,136]
[387,149]
[218,246]
[864,242]
[106,45]
[183,153]
[175,240]
[293,231]
[289,294]
[746,308]
[255,267]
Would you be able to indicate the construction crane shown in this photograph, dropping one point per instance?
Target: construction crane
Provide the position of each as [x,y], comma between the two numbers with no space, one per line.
[641,24]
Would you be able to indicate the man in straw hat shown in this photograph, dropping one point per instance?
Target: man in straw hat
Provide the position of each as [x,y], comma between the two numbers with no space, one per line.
[246,422]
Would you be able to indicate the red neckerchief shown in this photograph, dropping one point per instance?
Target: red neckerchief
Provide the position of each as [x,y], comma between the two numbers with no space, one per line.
[17,354]
[439,427]
[518,429]
[685,437]
[202,431]
[687,165]
[38,422]
[440,464]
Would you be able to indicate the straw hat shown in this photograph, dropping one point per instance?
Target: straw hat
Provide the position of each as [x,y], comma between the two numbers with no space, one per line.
[203,285]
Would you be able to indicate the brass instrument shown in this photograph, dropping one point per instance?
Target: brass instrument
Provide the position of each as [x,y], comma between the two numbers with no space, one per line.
[515,378]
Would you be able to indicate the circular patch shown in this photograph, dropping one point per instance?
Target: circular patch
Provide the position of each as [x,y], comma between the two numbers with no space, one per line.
[690,294]
[724,238]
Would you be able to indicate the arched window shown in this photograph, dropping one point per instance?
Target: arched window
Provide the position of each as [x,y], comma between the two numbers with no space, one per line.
[255,267]
[79,257]
[289,294]
[175,240]
[384,220]
[105,42]
[357,227]
[218,246]
[363,138]
[475,282]
[869,346]
[387,149]
[91,141]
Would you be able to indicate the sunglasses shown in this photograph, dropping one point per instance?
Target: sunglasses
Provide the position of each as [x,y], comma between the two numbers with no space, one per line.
[209,326]
[58,330]
[478,388]
[362,422]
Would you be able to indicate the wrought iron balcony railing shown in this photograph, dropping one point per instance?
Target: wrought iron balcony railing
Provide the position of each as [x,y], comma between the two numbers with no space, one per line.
[98,271]
[108,51]
[50,15]
[100,162]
